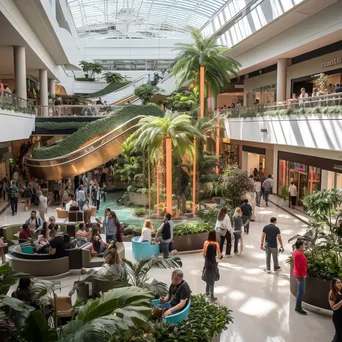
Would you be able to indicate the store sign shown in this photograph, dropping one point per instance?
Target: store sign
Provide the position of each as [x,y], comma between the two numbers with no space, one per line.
[332,62]
[338,167]
[239,86]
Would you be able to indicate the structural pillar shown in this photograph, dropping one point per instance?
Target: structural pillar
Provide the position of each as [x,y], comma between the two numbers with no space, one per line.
[20,71]
[281,79]
[169,175]
[43,92]
[202,91]
[52,87]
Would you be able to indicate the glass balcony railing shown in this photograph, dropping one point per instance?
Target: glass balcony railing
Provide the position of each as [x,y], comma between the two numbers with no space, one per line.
[12,102]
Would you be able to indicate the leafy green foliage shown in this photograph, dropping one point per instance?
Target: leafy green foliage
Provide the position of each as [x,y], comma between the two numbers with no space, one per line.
[206,320]
[17,109]
[140,212]
[145,92]
[191,228]
[92,129]
[113,77]
[55,126]
[204,51]
[8,277]
[184,101]
[209,216]
[323,239]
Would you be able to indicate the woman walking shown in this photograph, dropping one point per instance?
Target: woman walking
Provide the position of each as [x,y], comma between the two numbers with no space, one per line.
[237,228]
[42,206]
[222,227]
[335,301]
[210,272]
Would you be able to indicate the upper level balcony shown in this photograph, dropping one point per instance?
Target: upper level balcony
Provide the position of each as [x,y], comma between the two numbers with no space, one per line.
[314,122]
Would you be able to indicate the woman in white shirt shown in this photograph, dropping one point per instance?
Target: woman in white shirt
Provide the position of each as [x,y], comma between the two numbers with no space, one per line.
[146,234]
[257,189]
[222,227]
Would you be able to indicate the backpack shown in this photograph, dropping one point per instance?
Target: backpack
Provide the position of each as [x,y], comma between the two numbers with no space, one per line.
[166,232]
[13,193]
[28,192]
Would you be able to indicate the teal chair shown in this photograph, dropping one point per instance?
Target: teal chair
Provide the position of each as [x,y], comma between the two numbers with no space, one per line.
[143,250]
[175,318]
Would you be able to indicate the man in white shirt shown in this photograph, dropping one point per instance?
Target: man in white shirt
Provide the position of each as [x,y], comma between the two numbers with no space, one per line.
[293,194]
[267,185]
[303,95]
[71,200]
[80,197]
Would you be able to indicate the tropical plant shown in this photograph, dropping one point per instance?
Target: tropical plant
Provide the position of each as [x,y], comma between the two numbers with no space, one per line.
[183,101]
[233,184]
[113,77]
[204,52]
[323,82]
[88,131]
[95,68]
[323,239]
[145,93]
[140,211]
[209,216]
[284,193]
[191,228]
[86,67]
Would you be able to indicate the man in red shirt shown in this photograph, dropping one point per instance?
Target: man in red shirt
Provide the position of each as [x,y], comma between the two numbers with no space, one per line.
[300,267]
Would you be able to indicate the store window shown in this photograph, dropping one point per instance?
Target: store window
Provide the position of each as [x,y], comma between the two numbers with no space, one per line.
[283,176]
[264,95]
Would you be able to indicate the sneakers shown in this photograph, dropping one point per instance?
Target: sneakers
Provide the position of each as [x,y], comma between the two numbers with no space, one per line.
[301,311]
[277,269]
[267,271]
[240,253]
[228,256]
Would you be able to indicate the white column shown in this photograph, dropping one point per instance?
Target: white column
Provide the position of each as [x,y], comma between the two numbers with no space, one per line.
[52,87]
[53,7]
[43,90]
[281,79]
[20,71]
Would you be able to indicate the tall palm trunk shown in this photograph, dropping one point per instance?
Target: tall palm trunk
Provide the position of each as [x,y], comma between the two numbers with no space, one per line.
[218,138]
[202,91]
[149,182]
[194,171]
[168,167]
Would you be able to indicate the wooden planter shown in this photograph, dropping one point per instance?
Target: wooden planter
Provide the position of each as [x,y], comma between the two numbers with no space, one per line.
[316,291]
[189,242]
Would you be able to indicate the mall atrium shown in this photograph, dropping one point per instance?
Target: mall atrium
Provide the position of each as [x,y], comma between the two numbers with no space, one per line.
[171,170]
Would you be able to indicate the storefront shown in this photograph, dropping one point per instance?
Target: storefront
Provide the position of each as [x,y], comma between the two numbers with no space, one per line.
[308,173]
[255,158]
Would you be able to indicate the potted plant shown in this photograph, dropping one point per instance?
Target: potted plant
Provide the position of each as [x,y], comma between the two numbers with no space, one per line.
[323,244]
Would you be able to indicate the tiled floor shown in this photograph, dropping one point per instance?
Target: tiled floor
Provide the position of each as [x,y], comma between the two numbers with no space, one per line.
[263,308]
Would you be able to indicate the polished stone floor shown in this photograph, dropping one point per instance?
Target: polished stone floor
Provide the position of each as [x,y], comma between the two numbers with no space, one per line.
[263,308]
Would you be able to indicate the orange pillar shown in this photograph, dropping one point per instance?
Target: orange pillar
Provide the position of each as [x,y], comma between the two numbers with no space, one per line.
[194,171]
[157,188]
[210,107]
[169,175]
[217,141]
[202,85]
[149,182]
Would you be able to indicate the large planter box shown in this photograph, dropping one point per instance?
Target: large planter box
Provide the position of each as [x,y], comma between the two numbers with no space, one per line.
[138,198]
[316,291]
[189,242]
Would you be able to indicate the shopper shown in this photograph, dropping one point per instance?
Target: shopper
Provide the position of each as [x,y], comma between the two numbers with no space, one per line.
[237,228]
[257,189]
[80,197]
[146,233]
[42,206]
[23,291]
[335,301]
[65,196]
[25,234]
[98,244]
[57,249]
[270,235]
[300,268]
[267,185]
[13,194]
[5,188]
[293,194]
[27,194]
[222,227]
[166,233]
[210,272]
[303,95]
[111,227]
[56,189]
[246,215]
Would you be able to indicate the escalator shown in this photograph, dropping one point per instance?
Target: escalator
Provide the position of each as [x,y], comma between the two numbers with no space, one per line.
[90,155]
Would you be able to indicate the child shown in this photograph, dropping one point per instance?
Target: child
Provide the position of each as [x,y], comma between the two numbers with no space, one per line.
[210,272]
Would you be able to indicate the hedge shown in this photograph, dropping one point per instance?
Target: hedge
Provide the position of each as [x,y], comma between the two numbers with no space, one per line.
[88,131]
[108,89]
[17,109]
[296,111]
[59,126]
[191,228]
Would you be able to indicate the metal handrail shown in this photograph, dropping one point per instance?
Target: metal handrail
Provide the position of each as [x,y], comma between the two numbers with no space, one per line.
[327,100]
[16,101]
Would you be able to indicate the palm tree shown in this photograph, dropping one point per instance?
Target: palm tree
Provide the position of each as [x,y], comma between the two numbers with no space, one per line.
[113,77]
[86,66]
[206,56]
[176,132]
[95,68]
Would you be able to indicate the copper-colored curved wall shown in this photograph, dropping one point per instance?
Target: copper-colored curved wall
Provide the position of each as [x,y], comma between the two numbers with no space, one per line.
[84,159]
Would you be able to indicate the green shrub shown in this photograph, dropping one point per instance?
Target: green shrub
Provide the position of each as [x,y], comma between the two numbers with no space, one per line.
[140,212]
[205,321]
[209,216]
[25,110]
[108,89]
[55,126]
[92,129]
[85,79]
[191,228]
[130,230]
[208,178]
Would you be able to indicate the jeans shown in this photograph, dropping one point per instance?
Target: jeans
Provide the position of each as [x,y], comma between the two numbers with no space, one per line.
[266,195]
[274,252]
[14,205]
[300,292]
[258,198]
[238,237]
[166,246]
[227,237]
[210,288]
[244,220]
[110,237]
[97,205]
[102,249]
[81,204]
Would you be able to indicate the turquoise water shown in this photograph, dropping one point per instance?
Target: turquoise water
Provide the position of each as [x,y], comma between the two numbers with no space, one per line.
[125,214]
